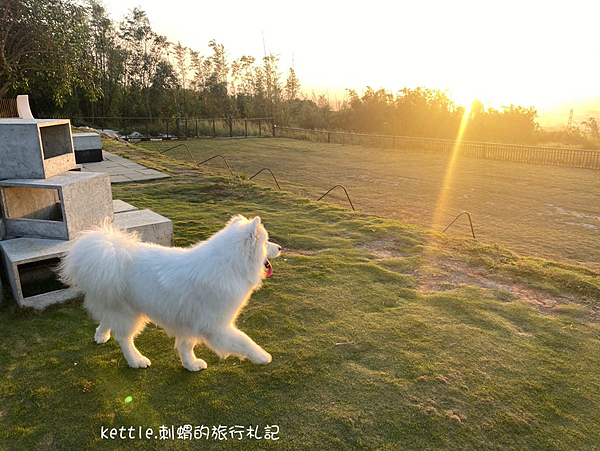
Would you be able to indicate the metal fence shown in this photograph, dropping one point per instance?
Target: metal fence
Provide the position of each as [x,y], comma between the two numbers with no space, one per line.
[8,108]
[578,158]
[146,128]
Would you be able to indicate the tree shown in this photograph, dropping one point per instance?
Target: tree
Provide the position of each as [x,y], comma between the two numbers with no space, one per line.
[292,86]
[197,64]
[108,58]
[163,89]
[518,123]
[218,62]
[44,43]
[272,83]
[591,128]
[181,53]
[145,50]
[241,75]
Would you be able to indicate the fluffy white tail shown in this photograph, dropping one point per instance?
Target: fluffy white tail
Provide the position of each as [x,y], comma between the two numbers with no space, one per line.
[96,265]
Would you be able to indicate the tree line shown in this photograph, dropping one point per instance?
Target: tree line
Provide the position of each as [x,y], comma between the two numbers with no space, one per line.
[430,113]
[74,60]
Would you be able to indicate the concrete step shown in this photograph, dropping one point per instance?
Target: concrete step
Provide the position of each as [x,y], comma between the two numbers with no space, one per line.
[152,227]
[121,207]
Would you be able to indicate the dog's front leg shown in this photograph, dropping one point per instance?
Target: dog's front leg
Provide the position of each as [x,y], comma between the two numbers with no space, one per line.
[134,358]
[102,334]
[231,340]
[185,347]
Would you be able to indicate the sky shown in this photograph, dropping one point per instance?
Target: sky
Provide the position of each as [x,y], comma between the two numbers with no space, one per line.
[527,52]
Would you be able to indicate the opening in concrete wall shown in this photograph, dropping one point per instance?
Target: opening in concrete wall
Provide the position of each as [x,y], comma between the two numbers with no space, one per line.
[56,140]
[39,277]
[32,203]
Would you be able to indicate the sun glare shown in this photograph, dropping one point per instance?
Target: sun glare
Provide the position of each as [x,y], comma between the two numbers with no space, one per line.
[441,204]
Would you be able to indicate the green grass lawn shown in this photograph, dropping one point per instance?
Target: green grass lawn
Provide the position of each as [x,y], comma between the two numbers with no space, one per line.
[383,336]
[547,211]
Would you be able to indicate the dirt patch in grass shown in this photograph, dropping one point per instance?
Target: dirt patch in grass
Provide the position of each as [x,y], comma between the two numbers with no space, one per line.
[383,248]
[447,274]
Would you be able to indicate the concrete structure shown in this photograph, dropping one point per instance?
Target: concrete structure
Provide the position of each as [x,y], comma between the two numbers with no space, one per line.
[152,227]
[2,227]
[58,207]
[23,107]
[35,148]
[121,207]
[88,147]
[30,261]
[46,200]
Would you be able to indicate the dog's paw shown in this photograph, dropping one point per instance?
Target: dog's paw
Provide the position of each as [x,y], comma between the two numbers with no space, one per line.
[195,365]
[101,337]
[263,358]
[140,362]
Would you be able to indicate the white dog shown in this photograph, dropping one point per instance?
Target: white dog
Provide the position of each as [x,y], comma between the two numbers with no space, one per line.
[194,294]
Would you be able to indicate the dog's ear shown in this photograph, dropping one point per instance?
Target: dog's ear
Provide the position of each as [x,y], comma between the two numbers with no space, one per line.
[236,218]
[254,225]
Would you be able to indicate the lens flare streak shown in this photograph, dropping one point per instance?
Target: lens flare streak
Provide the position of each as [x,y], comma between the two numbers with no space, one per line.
[442,201]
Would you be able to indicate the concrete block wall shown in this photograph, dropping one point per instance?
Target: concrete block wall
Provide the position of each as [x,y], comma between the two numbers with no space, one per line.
[35,148]
[86,141]
[59,207]
[28,258]
[88,147]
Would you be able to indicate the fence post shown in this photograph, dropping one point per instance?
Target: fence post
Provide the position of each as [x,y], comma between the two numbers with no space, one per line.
[246,128]
[147,131]
[186,127]
[273,121]
[102,122]
[328,137]
[259,128]
[167,120]
[230,126]
[196,128]
[177,124]
[214,129]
